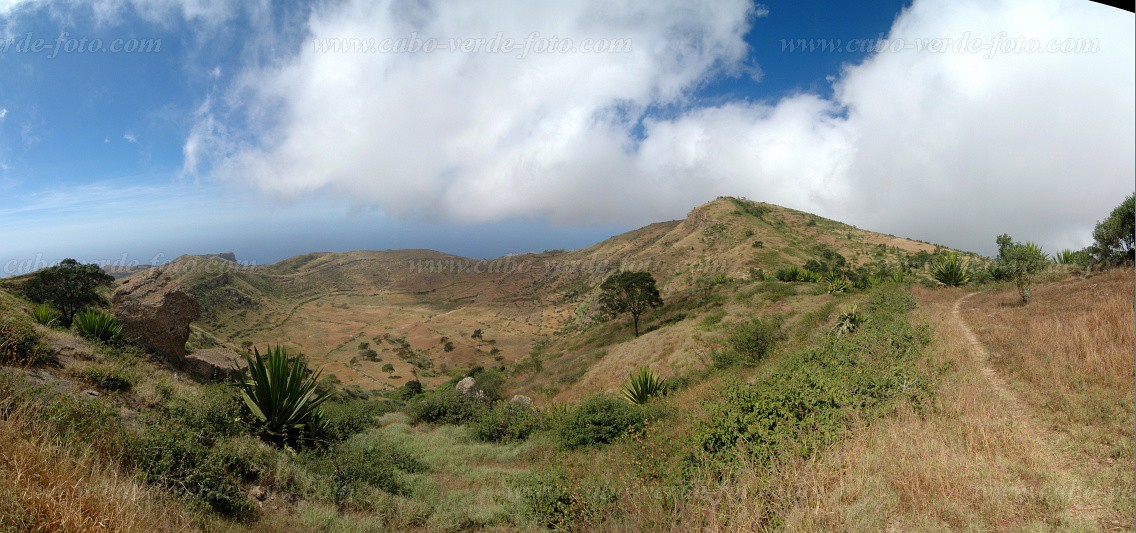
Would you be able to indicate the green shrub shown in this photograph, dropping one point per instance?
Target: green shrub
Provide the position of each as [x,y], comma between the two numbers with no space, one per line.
[183,446]
[408,390]
[489,381]
[46,315]
[813,395]
[109,377]
[342,419]
[446,406]
[282,394]
[597,420]
[1019,262]
[507,422]
[559,503]
[388,368]
[641,387]
[20,344]
[749,343]
[98,325]
[177,458]
[360,462]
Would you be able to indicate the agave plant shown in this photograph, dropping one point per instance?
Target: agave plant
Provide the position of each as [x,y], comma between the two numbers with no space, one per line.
[643,386]
[98,325]
[1080,258]
[281,393]
[849,321]
[46,315]
[951,271]
[837,284]
[897,276]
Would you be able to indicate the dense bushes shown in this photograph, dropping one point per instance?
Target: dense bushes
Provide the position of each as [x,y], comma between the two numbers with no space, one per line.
[344,418]
[177,449]
[363,461]
[446,406]
[507,422]
[20,344]
[599,419]
[813,395]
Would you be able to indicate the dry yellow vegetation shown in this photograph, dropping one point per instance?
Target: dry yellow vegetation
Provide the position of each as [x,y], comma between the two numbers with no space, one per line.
[46,486]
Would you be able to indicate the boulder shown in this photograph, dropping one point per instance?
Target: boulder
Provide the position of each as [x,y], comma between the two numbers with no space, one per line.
[467,386]
[155,312]
[521,400]
[214,364]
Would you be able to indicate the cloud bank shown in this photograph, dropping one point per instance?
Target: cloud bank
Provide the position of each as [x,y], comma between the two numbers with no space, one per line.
[950,146]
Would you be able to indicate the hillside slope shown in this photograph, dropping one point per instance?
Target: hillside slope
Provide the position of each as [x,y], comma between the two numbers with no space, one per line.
[418,309]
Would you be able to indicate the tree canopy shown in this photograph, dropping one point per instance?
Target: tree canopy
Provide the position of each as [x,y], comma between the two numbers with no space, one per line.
[629,292]
[1115,237]
[69,286]
[1020,261]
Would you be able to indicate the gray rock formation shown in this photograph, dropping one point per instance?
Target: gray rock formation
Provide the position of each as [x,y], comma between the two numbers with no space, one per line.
[214,364]
[155,312]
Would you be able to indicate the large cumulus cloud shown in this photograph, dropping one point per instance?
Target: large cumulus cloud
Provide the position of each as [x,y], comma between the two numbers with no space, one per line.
[947,146]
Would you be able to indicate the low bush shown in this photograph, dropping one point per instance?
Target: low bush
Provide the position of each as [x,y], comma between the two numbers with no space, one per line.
[20,344]
[749,342]
[363,461]
[597,420]
[446,406]
[342,419]
[558,502]
[178,459]
[507,422]
[180,446]
[109,377]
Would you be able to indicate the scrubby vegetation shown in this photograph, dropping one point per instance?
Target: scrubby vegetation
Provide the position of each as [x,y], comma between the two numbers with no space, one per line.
[20,344]
[826,389]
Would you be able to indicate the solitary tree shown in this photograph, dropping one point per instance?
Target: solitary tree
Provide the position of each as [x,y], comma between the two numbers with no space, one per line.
[1020,261]
[629,292]
[69,287]
[1115,237]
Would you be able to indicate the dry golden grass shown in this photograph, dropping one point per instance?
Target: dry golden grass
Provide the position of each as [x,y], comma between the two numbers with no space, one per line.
[977,460]
[46,487]
[1068,355]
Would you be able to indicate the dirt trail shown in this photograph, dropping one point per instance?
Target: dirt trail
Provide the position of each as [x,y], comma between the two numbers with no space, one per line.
[1083,502]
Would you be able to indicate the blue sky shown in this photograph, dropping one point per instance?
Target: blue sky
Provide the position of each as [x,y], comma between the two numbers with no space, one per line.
[240,134]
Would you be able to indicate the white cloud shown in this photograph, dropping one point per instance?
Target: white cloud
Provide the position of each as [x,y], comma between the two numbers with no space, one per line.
[951,147]
[3,112]
[109,11]
[130,138]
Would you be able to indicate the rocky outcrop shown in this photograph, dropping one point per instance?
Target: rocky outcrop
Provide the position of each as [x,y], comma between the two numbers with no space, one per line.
[469,386]
[215,364]
[521,400]
[155,312]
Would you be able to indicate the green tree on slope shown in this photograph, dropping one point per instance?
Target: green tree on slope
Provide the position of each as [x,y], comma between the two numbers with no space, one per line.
[629,292]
